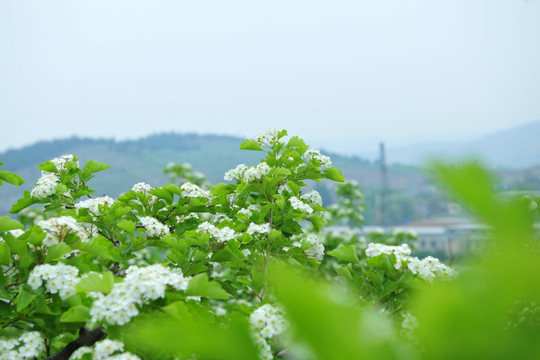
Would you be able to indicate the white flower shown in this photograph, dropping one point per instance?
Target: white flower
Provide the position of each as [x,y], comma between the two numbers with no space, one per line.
[48,182]
[192,190]
[409,322]
[153,227]
[312,197]
[28,346]
[263,229]
[139,286]
[245,212]
[316,250]
[141,187]
[298,204]
[401,252]
[430,268]
[268,321]
[236,173]
[59,279]
[103,349]
[45,186]
[62,161]
[78,354]
[267,138]
[323,160]
[284,188]
[248,173]
[93,204]
[221,235]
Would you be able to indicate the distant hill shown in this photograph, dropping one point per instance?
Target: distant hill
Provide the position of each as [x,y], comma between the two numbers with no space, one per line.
[411,194]
[514,148]
[144,160]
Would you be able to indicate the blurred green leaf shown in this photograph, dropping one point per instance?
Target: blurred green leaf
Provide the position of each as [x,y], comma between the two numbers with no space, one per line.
[250,144]
[200,286]
[6,224]
[345,252]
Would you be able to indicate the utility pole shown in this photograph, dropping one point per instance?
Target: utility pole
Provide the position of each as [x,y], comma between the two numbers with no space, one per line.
[384,185]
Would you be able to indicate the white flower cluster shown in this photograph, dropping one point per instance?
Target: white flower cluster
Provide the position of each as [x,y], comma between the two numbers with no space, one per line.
[245,212]
[59,227]
[139,286]
[236,173]
[47,183]
[312,197]
[402,252]
[59,279]
[298,204]
[248,173]
[263,229]
[313,154]
[141,187]
[409,322]
[61,161]
[266,322]
[16,232]
[45,186]
[284,188]
[28,346]
[192,190]
[267,138]
[183,218]
[93,204]
[144,188]
[221,235]
[219,217]
[153,227]
[104,350]
[317,249]
[428,268]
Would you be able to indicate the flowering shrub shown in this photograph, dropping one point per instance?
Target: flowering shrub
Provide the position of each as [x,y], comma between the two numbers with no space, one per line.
[231,271]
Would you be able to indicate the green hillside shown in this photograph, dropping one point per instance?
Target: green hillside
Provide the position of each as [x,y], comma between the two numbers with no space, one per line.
[411,194]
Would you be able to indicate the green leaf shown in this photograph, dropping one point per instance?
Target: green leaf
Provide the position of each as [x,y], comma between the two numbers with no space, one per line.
[173,189]
[250,144]
[54,252]
[77,313]
[96,282]
[34,235]
[295,141]
[6,224]
[5,254]
[15,244]
[25,297]
[334,174]
[222,189]
[317,222]
[101,247]
[23,203]
[291,227]
[92,167]
[200,286]
[162,194]
[281,171]
[127,225]
[48,166]
[347,253]
[11,178]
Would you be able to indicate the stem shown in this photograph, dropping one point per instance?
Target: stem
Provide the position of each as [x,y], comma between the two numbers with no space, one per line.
[86,338]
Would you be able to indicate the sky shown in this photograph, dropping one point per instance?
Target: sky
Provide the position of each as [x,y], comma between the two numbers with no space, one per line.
[333,72]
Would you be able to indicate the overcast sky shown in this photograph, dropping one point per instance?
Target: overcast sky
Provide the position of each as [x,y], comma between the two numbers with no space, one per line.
[333,70]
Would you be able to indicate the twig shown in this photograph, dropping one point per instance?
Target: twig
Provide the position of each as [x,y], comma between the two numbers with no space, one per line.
[86,338]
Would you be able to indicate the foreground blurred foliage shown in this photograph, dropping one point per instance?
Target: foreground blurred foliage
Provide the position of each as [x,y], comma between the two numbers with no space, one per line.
[245,270]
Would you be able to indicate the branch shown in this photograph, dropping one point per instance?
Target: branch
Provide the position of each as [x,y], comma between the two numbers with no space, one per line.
[86,338]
